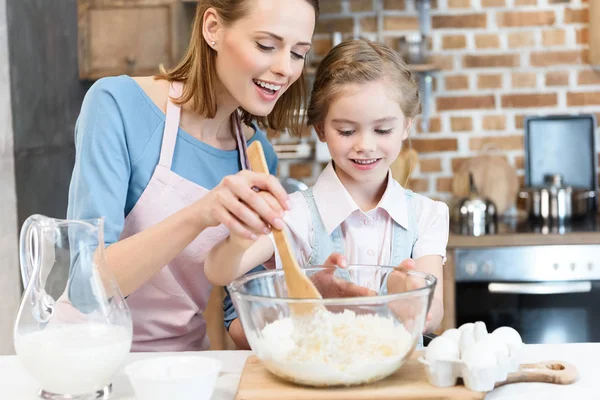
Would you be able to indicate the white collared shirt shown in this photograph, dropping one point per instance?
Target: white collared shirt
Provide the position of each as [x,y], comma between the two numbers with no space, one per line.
[367,235]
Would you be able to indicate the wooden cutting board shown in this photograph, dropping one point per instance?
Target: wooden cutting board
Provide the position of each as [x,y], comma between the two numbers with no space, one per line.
[409,382]
[494,179]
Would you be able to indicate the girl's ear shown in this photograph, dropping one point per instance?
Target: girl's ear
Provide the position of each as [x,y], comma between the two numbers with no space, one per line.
[320,129]
[409,123]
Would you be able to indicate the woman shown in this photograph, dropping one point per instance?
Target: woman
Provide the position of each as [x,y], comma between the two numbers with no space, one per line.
[159,157]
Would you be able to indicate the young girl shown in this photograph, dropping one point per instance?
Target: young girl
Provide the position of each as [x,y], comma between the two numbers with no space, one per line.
[363,104]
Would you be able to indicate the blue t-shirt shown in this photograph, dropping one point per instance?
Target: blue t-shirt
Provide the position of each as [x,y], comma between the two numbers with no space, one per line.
[118,137]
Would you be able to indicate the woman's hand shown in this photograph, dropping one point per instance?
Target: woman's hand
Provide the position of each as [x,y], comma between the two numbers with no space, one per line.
[245,212]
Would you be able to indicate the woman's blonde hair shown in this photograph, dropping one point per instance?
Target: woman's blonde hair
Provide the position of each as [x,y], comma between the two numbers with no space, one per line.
[198,70]
[358,62]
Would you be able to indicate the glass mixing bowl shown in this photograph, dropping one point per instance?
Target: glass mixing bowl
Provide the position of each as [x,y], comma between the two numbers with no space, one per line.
[341,341]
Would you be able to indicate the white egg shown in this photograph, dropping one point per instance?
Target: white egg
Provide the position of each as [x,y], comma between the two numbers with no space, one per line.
[509,336]
[496,346]
[469,326]
[480,355]
[466,340]
[441,348]
[479,331]
[453,334]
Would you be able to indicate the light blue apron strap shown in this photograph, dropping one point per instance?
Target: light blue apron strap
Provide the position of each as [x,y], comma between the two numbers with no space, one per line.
[402,244]
[404,239]
[338,240]
[322,246]
[414,229]
[338,246]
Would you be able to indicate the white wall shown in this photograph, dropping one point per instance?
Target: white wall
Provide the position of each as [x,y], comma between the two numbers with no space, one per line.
[9,267]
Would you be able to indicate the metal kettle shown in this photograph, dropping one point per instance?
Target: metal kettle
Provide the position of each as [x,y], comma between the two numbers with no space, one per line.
[475,214]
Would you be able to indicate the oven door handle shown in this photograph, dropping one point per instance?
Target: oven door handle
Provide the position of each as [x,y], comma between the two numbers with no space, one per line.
[540,288]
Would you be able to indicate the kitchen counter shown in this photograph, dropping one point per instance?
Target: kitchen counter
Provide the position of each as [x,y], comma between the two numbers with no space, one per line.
[15,383]
[522,239]
[525,233]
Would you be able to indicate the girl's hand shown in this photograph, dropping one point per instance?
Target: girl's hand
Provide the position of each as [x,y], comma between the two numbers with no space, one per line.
[245,212]
[331,286]
[398,282]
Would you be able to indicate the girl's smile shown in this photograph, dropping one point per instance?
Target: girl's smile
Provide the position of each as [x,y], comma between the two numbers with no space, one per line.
[364,130]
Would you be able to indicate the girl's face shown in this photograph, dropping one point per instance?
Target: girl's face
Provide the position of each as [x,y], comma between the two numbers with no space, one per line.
[262,54]
[364,130]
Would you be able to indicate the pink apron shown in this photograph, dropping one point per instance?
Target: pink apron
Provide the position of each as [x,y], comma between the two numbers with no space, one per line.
[167,310]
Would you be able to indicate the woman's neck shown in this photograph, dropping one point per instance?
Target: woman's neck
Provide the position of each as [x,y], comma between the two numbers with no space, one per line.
[366,195]
[216,131]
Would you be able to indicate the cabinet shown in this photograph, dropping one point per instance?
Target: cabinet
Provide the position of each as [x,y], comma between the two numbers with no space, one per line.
[131,37]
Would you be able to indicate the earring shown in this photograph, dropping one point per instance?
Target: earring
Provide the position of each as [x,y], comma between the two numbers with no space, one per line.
[212,43]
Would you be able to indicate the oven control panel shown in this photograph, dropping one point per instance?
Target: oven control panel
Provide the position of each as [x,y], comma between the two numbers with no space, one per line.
[528,263]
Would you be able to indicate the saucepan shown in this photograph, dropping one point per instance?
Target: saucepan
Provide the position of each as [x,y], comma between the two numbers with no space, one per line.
[557,201]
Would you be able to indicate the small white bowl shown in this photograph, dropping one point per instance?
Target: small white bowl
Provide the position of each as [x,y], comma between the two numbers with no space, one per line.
[185,377]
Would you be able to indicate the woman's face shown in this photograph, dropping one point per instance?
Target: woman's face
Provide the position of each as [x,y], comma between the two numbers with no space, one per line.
[262,54]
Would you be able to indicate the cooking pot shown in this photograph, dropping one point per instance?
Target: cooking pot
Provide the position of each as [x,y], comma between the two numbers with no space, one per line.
[556,200]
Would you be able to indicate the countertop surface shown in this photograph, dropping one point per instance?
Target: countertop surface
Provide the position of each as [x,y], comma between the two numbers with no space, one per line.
[526,233]
[16,384]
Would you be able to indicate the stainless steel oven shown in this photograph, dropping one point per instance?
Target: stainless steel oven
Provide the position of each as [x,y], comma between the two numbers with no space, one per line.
[549,294]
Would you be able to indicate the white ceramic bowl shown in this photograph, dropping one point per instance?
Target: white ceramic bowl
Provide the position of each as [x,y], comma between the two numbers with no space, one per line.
[185,377]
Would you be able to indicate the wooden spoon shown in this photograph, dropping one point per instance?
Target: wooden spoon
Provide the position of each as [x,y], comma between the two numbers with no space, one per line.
[298,284]
[557,372]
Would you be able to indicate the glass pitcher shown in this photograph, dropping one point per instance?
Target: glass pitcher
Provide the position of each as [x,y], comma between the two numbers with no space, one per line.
[73,329]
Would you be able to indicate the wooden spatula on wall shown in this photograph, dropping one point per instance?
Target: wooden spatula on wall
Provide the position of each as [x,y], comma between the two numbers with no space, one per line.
[298,284]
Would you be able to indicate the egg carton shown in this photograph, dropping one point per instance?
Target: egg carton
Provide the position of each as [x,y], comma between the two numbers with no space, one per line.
[489,358]
[445,373]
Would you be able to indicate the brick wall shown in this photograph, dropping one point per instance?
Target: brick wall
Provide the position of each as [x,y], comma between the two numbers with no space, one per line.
[501,60]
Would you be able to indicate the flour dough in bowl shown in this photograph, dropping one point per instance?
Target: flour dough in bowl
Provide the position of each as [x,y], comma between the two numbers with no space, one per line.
[333,349]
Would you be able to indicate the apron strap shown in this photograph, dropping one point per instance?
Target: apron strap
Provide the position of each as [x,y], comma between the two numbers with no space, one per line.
[323,244]
[171,126]
[403,240]
[236,124]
